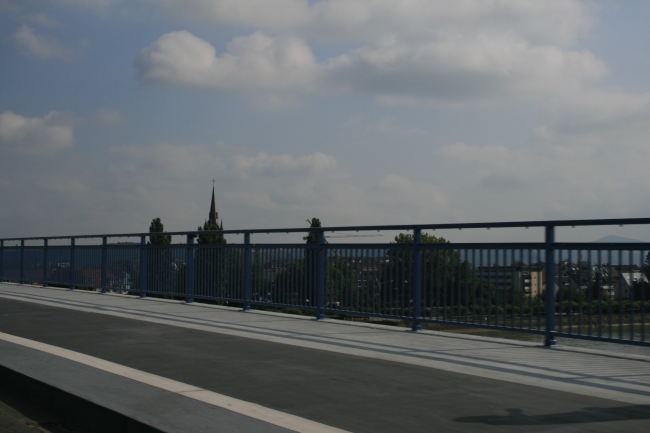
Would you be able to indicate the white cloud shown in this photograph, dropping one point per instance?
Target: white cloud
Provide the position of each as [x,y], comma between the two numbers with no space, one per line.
[412,200]
[109,116]
[175,161]
[35,135]
[597,117]
[495,53]
[557,22]
[586,159]
[464,67]
[39,46]
[254,61]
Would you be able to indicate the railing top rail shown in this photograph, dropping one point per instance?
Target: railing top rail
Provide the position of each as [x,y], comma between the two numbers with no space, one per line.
[459,226]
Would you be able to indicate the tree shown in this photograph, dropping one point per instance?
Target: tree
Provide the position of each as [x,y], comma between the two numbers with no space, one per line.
[218,271]
[310,265]
[210,238]
[447,280]
[157,226]
[161,269]
[312,238]
[295,284]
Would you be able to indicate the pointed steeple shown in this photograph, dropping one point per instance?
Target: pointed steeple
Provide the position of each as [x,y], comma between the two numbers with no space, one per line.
[214,215]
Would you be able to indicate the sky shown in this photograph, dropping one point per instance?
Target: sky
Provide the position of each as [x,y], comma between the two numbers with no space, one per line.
[358,112]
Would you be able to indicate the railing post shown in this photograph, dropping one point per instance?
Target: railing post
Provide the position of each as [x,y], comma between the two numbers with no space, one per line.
[417,280]
[143,267]
[320,277]
[2,261]
[46,264]
[189,269]
[550,341]
[72,264]
[21,278]
[247,272]
[104,258]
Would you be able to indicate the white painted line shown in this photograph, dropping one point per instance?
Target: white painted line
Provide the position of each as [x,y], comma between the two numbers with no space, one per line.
[252,410]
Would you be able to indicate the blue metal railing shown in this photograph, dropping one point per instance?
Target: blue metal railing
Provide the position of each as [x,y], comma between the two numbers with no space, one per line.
[579,290]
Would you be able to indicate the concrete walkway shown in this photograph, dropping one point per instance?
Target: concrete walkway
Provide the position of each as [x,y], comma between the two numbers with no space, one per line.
[351,376]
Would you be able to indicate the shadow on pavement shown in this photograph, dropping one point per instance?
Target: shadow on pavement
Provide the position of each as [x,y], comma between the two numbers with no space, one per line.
[516,417]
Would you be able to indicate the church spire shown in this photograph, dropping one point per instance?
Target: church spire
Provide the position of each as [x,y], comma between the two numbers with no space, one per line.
[214,215]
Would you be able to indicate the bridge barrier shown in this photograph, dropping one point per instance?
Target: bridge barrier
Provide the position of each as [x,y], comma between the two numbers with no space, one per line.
[595,291]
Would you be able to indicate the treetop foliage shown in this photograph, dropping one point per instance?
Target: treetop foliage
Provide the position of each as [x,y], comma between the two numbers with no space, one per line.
[407,238]
[214,238]
[157,226]
[312,238]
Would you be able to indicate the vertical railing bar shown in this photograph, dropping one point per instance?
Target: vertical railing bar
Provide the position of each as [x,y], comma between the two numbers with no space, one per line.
[513,289]
[504,293]
[438,281]
[285,276]
[481,287]
[143,267]
[189,270]
[72,264]
[458,317]
[611,296]
[644,287]
[359,292]
[417,279]
[291,268]
[522,288]
[2,261]
[104,262]
[389,263]
[550,286]
[620,294]
[46,264]
[277,288]
[571,295]
[383,280]
[399,281]
[21,276]
[247,272]
[490,284]
[540,280]
[370,293]
[466,263]
[561,292]
[279,278]
[529,299]
[499,271]
[599,283]
[298,274]
[320,272]
[580,295]
[354,301]
[631,298]
[590,294]
[473,277]
[444,284]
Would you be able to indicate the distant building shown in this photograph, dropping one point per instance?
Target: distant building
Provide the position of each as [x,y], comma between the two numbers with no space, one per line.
[214,215]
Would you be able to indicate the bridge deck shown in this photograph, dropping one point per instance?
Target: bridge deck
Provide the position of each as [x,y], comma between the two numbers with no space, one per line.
[352,376]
